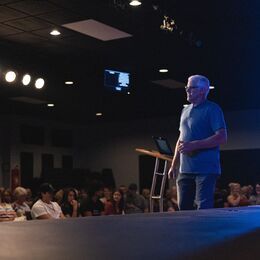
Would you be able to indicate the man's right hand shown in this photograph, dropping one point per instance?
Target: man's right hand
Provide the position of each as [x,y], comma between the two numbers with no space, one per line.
[172,173]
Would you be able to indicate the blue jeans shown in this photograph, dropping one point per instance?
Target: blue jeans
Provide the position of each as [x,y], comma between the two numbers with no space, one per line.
[196,190]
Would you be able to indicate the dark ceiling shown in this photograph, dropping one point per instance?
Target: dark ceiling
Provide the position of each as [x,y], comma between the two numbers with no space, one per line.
[219,39]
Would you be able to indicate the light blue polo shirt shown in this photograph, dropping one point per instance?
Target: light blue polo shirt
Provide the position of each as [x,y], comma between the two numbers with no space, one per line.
[198,123]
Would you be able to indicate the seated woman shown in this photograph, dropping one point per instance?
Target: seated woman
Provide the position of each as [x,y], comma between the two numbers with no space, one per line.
[20,206]
[107,195]
[45,208]
[7,213]
[69,204]
[116,205]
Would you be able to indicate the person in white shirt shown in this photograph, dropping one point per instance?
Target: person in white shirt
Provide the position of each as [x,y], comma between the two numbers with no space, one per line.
[45,208]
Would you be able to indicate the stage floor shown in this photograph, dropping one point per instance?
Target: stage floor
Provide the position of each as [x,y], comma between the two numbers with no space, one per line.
[232,233]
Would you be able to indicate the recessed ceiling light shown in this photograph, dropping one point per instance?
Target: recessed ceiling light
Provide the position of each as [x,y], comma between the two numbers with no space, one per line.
[50,105]
[211,87]
[135,3]
[99,114]
[69,82]
[10,76]
[39,83]
[26,79]
[163,70]
[55,32]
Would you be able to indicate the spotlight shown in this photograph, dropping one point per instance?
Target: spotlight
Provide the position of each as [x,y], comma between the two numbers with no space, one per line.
[99,114]
[26,79]
[50,105]
[135,3]
[211,87]
[10,76]
[39,83]
[55,32]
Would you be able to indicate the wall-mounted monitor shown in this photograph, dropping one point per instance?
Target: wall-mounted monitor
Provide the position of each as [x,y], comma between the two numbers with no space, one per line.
[117,80]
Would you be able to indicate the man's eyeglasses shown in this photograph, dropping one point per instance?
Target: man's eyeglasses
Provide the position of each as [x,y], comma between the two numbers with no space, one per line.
[187,88]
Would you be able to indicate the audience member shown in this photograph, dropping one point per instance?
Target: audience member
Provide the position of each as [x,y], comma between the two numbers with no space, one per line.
[29,198]
[7,212]
[20,206]
[1,191]
[236,199]
[172,201]
[255,198]
[220,198]
[107,195]
[146,195]
[59,196]
[45,208]
[7,196]
[123,189]
[245,194]
[116,205]
[92,206]
[69,204]
[135,203]
[83,195]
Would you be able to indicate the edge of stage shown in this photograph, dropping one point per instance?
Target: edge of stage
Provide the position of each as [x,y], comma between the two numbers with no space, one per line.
[230,233]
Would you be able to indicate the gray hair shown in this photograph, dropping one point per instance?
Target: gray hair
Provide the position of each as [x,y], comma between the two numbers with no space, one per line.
[201,81]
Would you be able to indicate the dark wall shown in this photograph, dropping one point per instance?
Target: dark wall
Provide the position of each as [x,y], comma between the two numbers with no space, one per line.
[241,166]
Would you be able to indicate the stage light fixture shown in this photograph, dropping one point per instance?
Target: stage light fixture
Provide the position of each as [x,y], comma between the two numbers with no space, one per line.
[10,76]
[99,114]
[163,70]
[39,83]
[168,24]
[135,3]
[26,79]
[55,32]
[50,105]
[211,87]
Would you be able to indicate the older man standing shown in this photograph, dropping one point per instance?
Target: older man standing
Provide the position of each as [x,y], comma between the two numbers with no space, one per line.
[202,130]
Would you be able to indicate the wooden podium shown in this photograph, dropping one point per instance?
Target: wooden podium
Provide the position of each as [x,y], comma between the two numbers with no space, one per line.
[166,160]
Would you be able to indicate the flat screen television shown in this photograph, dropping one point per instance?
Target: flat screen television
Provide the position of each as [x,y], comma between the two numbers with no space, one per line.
[117,80]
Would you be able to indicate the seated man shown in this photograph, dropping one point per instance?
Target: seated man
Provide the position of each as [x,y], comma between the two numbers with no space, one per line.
[93,206]
[135,203]
[45,208]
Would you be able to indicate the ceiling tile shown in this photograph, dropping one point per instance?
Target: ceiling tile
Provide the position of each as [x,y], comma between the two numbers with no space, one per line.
[7,30]
[7,14]
[3,2]
[60,17]
[24,38]
[33,7]
[29,24]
